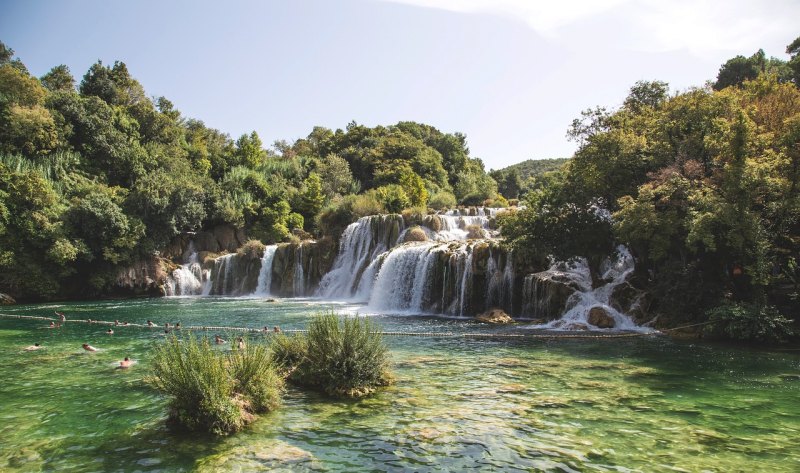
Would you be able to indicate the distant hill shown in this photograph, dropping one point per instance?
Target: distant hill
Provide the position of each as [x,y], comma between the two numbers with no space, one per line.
[534,167]
[516,180]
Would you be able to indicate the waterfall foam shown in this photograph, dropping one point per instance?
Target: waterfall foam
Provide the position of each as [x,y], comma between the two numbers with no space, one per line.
[264,285]
[186,279]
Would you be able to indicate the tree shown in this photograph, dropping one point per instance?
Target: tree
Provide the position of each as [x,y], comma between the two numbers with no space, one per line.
[793,50]
[58,78]
[249,150]
[646,94]
[311,198]
[335,175]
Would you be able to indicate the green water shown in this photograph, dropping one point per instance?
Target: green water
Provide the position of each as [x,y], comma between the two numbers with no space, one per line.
[636,404]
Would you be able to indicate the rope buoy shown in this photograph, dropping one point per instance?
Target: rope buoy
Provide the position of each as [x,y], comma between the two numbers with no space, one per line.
[468,335]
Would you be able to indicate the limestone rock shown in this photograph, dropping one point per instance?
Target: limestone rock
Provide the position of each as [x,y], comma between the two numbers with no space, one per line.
[600,318]
[5,299]
[494,316]
[547,294]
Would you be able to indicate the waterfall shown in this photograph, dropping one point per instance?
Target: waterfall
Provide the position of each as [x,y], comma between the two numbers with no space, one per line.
[361,244]
[299,279]
[264,284]
[187,279]
[586,298]
[403,281]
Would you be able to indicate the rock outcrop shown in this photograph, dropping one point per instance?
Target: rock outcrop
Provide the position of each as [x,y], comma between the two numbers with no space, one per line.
[145,277]
[600,318]
[494,316]
[5,299]
[547,294]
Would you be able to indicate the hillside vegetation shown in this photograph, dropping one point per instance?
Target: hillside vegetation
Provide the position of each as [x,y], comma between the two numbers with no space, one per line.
[96,175]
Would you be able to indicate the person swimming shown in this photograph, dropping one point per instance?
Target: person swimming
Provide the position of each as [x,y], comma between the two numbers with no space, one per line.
[116,322]
[61,315]
[241,343]
[124,364]
[276,329]
[110,332]
[88,347]
[35,346]
[52,325]
[150,323]
[218,340]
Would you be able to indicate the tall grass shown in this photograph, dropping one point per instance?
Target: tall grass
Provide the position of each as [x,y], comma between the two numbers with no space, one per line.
[341,356]
[213,391]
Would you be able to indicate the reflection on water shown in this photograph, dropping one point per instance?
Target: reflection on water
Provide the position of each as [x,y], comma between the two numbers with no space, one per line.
[639,404]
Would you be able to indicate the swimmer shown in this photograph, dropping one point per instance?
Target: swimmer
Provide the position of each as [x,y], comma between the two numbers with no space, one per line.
[110,332]
[276,329]
[33,347]
[166,325]
[178,325]
[166,332]
[116,322]
[124,364]
[125,323]
[241,343]
[52,325]
[218,340]
[61,316]
[265,329]
[88,347]
[150,323]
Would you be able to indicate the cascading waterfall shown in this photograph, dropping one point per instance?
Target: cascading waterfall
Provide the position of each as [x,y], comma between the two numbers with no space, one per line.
[361,244]
[264,285]
[448,274]
[582,301]
[187,279]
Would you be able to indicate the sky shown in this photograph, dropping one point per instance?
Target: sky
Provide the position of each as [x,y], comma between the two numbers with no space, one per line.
[510,74]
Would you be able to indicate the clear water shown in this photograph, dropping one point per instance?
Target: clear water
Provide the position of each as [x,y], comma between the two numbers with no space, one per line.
[631,404]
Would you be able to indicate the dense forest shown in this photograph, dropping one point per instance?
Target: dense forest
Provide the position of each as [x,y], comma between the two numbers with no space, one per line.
[701,185]
[96,174]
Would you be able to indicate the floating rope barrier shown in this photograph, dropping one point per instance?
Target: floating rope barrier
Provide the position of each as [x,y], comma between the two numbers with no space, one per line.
[470,335]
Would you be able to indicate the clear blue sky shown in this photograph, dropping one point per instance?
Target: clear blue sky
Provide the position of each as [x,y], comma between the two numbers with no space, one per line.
[511,74]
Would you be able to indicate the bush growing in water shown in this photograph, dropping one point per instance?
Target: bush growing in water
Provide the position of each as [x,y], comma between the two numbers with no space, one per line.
[760,323]
[212,391]
[340,356]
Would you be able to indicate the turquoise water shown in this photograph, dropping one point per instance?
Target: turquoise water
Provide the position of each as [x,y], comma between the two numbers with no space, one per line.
[630,404]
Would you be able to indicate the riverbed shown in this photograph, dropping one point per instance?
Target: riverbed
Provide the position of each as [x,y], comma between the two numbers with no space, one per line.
[640,403]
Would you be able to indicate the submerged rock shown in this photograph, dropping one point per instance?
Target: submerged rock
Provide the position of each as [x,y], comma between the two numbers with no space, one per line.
[494,316]
[5,299]
[600,318]
[259,456]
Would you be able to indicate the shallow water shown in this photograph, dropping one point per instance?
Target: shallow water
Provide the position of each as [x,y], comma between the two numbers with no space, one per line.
[630,404]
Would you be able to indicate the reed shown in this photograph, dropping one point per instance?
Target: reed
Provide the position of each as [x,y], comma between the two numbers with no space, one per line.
[211,390]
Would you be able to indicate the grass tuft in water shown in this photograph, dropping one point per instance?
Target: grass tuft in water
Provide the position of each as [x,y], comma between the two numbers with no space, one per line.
[213,391]
[342,356]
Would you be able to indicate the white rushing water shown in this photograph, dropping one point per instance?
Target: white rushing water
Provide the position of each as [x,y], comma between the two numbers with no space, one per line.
[614,271]
[265,274]
[361,244]
[187,279]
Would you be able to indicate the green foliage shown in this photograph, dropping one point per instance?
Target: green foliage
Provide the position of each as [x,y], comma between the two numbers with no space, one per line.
[393,198]
[341,356]
[442,200]
[212,391]
[749,322]
[287,352]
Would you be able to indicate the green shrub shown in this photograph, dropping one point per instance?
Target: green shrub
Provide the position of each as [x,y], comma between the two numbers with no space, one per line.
[340,356]
[346,356]
[295,220]
[367,204]
[442,200]
[475,232]
[749,322]
[252,249]
[288,351]
[212,391]
[415,233]
[393,197]
[414,215]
